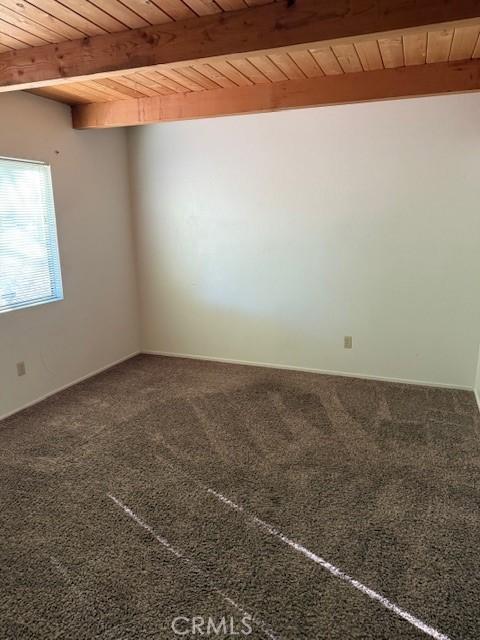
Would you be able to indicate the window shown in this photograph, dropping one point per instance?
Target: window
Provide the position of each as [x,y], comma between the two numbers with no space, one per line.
[29,262]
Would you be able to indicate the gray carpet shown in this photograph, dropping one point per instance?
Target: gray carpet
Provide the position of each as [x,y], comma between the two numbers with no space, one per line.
[380,480]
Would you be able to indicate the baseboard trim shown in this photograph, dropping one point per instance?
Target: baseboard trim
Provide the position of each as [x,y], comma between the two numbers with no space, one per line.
[247,363]
[328,372]
[69,384]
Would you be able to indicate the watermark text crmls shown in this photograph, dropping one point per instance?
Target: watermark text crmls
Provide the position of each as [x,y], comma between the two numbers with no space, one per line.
[185,626]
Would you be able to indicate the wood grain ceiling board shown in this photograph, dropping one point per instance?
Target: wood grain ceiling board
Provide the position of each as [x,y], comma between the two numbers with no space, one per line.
[268,68]
[35,22]
[369,55]
[307,63]
[391,50]
[384,84]
[29,23]
[327,61]
[362,56]
[463,44]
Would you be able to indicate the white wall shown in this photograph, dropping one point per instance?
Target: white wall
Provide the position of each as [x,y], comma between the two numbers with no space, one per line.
[269,237]
[97,323]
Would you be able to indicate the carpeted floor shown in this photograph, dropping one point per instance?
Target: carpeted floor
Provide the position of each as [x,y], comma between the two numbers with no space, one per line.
[167,487]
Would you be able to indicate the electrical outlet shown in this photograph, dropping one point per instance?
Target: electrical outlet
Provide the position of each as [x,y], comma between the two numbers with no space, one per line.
[347,342]
[21,371]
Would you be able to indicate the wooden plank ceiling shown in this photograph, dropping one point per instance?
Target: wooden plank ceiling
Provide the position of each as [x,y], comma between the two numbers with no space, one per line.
[36,23]
[30,23]
[366,55]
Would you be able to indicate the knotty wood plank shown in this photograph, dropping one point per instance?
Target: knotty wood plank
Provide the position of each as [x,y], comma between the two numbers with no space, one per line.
[256,30]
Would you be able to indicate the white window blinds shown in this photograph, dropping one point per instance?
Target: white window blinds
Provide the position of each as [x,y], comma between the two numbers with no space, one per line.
[29,262]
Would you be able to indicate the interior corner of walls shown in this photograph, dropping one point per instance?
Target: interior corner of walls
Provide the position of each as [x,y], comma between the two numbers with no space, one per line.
[97,322]
[477,380]
[203,274]
[132,206]
[73,382]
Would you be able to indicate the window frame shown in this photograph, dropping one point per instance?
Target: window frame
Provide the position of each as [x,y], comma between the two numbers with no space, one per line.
[53,254]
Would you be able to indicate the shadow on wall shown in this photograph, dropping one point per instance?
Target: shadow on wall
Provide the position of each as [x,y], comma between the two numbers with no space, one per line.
[226,332]
[191,309]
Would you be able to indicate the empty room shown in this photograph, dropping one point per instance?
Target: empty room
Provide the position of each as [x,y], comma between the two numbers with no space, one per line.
[239,319]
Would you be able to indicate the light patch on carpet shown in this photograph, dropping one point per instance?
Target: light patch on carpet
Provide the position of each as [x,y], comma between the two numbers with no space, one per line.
[332,569]
[178,553]
[66,576]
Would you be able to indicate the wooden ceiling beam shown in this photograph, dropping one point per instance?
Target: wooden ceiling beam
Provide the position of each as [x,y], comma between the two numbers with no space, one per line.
[385,84]
[259,29]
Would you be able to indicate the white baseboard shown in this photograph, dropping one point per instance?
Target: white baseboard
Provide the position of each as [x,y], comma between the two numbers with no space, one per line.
[346,374]
[70,384]
[244,363]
